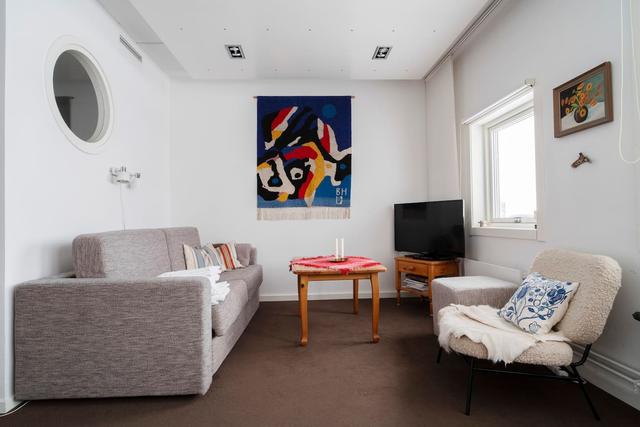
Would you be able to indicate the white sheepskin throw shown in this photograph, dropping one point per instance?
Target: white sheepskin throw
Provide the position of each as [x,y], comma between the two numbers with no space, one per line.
[481,324]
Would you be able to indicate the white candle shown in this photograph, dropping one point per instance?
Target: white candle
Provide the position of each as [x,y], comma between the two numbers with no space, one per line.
[342,247]
[337,249]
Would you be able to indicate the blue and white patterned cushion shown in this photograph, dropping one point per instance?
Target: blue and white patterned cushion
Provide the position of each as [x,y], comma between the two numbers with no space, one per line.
[539,303]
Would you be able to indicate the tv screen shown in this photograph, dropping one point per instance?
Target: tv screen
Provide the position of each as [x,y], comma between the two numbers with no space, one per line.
[433,229]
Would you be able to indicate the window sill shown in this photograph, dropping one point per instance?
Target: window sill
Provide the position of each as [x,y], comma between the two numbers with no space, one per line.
[526,233]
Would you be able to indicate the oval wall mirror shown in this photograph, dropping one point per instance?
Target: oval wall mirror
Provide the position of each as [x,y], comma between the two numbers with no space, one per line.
[79,96]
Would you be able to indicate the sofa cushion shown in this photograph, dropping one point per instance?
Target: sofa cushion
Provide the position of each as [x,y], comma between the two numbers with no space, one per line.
[121,254]
[226,312]
[243,250]
[251,275]
[176,237]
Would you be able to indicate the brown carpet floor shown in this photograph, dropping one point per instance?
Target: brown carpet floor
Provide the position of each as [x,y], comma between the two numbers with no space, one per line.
[341,379]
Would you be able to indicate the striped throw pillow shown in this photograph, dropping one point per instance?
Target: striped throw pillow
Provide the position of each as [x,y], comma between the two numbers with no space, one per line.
[223,256]
[227,256]
[196,257]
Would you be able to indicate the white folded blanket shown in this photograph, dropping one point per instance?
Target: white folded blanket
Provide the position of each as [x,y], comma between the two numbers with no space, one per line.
[481,323]
[219,290]
[212,272]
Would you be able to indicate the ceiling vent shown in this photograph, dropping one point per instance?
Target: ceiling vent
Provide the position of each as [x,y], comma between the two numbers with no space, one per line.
[132,50]
[382,52]
[235,51]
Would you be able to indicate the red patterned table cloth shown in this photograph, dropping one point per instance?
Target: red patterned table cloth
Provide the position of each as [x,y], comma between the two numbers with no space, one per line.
[353,263]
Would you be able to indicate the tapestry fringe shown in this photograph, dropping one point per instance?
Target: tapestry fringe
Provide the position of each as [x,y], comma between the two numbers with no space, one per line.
[278,214]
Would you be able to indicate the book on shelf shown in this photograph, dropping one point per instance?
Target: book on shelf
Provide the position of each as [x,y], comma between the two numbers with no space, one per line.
[416,287]
[414,284]
[415,278]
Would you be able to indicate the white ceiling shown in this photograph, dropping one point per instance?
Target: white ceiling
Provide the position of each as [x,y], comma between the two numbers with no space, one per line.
[327,39]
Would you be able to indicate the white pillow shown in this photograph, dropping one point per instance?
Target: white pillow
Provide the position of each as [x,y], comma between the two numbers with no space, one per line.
[539,303]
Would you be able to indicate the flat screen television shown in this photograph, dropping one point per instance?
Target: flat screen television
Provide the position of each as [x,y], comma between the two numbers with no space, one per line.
[431,230]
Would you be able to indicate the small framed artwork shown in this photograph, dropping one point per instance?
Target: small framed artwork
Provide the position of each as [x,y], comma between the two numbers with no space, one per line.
[583,102]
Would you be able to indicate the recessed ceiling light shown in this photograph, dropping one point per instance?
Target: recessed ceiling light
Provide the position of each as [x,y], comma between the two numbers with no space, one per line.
[381,52]
[235,51]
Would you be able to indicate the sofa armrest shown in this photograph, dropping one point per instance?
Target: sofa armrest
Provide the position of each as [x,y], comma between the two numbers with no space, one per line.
[247,253]
[104,337]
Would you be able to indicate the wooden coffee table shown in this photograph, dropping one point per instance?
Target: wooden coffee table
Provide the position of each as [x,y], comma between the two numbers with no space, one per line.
[311,274]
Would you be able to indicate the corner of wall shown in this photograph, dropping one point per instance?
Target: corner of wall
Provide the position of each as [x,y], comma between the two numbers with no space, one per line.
[6,398]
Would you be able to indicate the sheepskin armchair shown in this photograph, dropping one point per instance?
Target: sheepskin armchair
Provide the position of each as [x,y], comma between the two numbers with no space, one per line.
[584,321]
[600,279]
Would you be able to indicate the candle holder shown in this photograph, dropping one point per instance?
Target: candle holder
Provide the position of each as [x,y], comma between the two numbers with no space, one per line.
[339,259]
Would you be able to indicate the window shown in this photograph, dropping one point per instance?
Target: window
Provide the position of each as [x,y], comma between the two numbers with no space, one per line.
[79,95]
[512,190]
[502,167]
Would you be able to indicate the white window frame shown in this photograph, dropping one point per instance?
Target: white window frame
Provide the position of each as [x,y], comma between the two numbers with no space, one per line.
[476,167]
[491,166]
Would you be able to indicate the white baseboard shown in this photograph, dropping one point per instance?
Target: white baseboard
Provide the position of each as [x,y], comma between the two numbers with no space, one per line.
[8,404]
[324,296]
[613,377]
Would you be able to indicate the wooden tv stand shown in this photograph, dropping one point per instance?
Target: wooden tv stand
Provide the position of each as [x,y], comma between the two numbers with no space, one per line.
[428,269]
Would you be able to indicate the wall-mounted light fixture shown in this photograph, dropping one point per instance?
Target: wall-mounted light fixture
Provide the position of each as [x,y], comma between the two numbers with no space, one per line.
[121,176]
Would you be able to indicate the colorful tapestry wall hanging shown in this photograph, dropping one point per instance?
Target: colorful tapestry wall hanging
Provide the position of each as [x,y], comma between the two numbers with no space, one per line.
[304,157]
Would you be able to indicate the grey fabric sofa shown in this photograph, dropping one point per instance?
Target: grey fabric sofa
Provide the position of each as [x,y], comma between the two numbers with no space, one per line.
[116,329]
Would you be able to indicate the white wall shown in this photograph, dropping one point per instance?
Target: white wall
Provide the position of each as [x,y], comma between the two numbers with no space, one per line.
[53,191]
[442,159]
[3,317]
[593,208]
[213,161]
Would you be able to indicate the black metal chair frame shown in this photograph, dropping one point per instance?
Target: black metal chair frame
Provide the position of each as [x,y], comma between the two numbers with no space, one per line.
[573,376]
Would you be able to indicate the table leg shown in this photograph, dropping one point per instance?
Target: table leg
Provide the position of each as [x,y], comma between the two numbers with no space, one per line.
[375,303]
[299,305]
[304,318]
[355,296]
[430,308]
[398,285]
